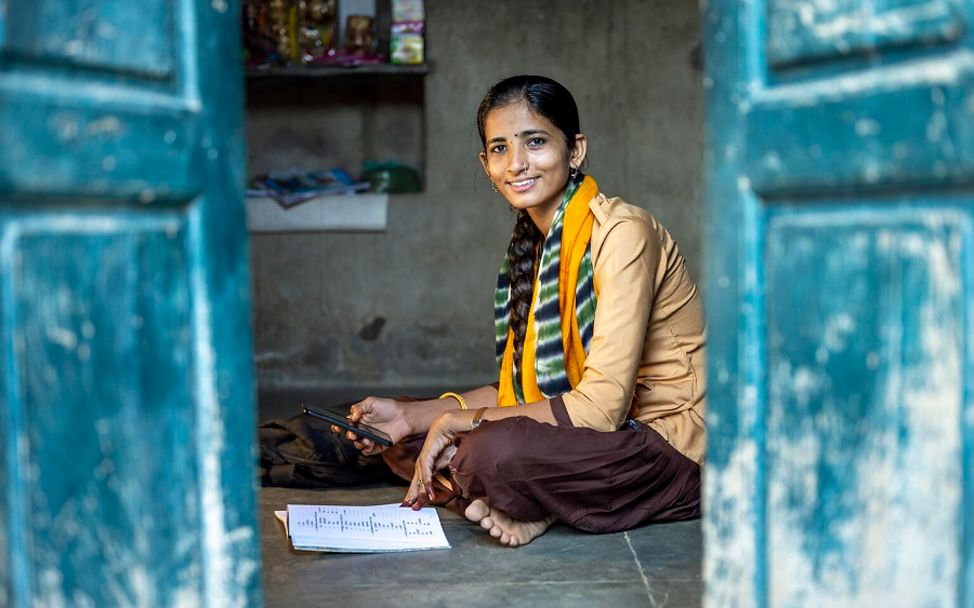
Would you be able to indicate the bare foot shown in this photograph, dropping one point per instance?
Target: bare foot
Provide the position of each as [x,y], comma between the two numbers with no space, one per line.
[507,531]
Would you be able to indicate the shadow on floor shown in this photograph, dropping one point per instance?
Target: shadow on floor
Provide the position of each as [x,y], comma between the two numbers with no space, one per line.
[656,565]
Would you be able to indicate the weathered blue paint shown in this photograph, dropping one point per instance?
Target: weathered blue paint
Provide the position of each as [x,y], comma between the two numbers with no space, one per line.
[864,444]
[806,31]
[840,252]
[126,391]
[823,136]
[126,39]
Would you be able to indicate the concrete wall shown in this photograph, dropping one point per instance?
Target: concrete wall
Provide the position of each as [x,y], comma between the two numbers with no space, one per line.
[413,306]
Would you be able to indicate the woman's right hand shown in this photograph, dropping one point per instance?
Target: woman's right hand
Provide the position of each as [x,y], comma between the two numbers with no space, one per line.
[387,415]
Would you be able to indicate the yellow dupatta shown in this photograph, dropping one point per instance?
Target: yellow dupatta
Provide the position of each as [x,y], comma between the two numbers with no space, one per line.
[576,233]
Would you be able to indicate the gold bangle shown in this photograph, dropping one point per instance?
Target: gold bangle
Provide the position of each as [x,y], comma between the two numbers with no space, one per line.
[463,404]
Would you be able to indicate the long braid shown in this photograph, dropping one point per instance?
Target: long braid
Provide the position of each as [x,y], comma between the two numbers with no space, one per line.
[521,255]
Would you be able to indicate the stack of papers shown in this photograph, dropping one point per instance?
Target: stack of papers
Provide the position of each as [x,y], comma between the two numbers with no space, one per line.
[373,529]
[290,188]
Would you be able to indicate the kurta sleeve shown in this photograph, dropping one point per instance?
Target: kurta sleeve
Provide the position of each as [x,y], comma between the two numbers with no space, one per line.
[625,278]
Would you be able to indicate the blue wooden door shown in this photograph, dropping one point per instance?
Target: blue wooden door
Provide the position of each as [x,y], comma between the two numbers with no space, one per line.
[126,397]
[840,236]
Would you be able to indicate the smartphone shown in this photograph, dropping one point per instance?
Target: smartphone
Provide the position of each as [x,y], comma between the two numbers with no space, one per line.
[362,430]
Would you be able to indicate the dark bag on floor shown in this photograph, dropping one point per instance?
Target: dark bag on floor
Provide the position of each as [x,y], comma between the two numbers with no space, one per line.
[302,452]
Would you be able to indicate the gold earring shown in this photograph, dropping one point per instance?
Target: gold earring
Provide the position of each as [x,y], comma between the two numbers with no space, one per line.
[493,186]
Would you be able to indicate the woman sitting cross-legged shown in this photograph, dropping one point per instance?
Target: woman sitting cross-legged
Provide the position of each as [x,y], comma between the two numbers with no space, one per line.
[597,420]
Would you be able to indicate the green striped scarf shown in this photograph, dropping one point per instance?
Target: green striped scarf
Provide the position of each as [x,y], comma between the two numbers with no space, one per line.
[549,348]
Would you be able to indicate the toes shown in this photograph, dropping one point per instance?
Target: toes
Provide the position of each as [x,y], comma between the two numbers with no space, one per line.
[500,526]
[476,511]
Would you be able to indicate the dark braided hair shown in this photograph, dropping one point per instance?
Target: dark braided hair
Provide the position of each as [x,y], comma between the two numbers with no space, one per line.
[522,255]
[553,101]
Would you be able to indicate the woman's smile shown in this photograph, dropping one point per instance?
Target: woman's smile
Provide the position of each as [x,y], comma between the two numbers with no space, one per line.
[523,185]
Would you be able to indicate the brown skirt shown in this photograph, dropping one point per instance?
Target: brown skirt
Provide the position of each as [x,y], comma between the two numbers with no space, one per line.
[592,480]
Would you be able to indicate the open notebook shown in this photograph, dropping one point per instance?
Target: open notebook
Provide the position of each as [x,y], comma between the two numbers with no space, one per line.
[372,529]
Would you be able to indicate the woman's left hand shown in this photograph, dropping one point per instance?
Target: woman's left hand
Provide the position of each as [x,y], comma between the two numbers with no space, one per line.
[437,452]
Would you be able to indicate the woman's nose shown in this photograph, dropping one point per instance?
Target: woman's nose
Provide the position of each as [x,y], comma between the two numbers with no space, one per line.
[518,162]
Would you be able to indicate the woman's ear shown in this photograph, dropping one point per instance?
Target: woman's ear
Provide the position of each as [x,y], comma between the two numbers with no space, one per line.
[483,162]
[577,156]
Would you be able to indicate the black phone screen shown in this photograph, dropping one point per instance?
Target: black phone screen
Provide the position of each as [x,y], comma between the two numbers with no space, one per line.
[360,429]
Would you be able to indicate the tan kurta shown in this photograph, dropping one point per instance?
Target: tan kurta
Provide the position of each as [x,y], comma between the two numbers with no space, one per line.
[649,335]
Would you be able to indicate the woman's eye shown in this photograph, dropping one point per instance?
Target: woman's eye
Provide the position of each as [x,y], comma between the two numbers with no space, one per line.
[536,141]
[499,149]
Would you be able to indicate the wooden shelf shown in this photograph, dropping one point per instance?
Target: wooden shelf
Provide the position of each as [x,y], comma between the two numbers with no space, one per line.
[342,213]
[334,71]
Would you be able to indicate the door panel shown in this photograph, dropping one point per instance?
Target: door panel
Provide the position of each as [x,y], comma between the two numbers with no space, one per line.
[839,295]
[90,518]
[122,154]
[126,392]
[827,135]
[864,401]
[804,31]
[136,38]
[101,98]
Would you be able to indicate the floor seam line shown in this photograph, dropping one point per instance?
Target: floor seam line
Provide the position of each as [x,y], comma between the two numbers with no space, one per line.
[639,565]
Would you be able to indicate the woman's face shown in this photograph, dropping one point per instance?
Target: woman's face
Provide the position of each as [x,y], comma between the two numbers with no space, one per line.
[527,160]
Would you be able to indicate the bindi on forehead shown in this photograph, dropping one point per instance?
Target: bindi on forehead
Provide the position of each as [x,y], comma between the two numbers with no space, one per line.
[530,133]
[516,122]
[527,133]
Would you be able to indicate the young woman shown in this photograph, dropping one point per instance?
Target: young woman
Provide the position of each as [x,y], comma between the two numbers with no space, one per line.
[597,418]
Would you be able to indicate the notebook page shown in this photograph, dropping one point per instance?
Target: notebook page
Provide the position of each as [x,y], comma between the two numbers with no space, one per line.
[371,528]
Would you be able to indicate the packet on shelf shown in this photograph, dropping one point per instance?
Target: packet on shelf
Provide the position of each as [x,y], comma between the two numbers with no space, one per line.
[408,27]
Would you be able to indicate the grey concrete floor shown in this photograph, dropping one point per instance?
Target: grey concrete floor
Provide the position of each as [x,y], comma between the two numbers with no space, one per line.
[656,565]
